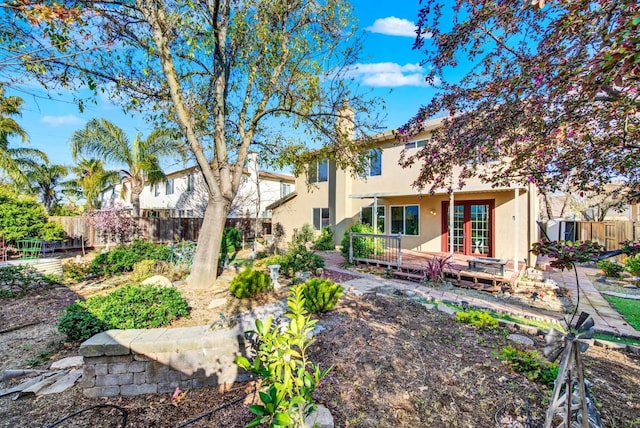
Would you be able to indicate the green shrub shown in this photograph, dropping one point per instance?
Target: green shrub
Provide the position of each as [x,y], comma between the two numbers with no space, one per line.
[123,257]
[609,268]
[25,218]
[530,363]
[75,271]
[299,259]
[248,283]
[479,319]
[125,308]
[304,236]
[632,265]
[362,247]
[79,324]
[17,280]
[288,377]
[321,295]
[143,270]
[325,241]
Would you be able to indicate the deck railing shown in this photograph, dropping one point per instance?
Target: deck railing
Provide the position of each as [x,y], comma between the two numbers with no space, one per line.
[374,248]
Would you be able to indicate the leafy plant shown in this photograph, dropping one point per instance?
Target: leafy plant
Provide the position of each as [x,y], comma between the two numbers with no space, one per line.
[25,218]
[362,247]
[325,240]
[248,283]
[479,319]
[304,236]
[143,270]
[17,280]
[288,376]
[231,243]
[75,271]
[125,308]
[567,253]
[321,295]
[610,269]
[123,257]
[436,268]
[79,324]
[632,265]
[530,363]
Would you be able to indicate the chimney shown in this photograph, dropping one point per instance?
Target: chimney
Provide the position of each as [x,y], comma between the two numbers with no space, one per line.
[346,118]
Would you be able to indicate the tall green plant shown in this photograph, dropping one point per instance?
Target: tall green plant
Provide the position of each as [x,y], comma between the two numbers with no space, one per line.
[288,376]
[362,247]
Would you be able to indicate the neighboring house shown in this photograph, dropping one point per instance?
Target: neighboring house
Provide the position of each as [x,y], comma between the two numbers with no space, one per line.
[493,222]
[183,194]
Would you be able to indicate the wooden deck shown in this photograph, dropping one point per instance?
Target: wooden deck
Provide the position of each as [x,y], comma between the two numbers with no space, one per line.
[413,267]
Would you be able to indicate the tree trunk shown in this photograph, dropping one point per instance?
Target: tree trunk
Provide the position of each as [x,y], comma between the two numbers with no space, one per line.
[135,202]
[204,269]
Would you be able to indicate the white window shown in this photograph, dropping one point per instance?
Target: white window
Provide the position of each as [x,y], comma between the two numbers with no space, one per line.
[319,171]
[156,189]
[169,186]
[415,144]
[285,189]
[320,218]
[190,182]
[374,164]
[366,217]
[405,220]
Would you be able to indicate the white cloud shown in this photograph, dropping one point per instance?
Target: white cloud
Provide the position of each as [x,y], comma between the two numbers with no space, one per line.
[62,120]
[393,26]
[388,74]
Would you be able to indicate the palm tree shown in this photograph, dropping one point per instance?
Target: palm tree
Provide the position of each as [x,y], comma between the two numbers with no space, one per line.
[90,179]
[45,181]
[105,140]
[14,160]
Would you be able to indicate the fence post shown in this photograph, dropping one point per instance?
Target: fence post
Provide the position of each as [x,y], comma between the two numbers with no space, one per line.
[398,242]
[351,247]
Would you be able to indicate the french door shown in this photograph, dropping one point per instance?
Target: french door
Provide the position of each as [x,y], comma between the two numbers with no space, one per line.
[472,227]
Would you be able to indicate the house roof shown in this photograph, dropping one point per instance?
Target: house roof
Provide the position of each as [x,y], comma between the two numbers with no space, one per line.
[261,174]
[282,201]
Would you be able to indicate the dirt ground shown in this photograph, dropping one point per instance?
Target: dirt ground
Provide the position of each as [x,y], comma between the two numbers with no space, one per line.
[394,363]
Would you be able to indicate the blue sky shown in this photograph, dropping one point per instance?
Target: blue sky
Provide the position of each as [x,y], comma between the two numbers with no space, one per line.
[389,67]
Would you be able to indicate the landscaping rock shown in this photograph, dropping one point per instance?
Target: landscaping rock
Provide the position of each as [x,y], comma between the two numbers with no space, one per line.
[521,340]
[321,418]
[159,280]
[68,363]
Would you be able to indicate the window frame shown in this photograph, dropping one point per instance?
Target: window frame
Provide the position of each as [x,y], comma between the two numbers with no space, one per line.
[156,189]
[191,180]
[416,144]
[169,186]
[316,166]
[321,218]
[383,217]
[371,160]
[404,219]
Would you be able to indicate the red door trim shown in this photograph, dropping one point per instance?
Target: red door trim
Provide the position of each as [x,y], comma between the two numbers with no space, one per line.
[467,225]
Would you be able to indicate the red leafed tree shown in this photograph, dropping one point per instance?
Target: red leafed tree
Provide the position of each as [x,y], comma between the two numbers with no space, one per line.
[544,95]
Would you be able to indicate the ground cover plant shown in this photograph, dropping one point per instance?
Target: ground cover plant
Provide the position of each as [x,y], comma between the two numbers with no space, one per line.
[530,363]
[297,259]
[123,257]
[127,307]
[610,269]
[18,280]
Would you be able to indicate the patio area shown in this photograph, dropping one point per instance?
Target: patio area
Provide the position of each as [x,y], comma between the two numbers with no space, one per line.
[482,276]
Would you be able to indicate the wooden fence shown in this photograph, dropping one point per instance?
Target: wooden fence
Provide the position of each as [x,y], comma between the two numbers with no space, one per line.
[607,233]
[163,230]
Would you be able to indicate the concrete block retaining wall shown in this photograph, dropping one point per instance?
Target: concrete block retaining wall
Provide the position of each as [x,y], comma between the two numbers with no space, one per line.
[133,362]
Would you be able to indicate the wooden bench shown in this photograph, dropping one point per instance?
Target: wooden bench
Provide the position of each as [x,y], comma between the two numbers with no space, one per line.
[482,263]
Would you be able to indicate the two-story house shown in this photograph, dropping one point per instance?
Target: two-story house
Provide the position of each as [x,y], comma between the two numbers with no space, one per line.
[183,194]
[485,221]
